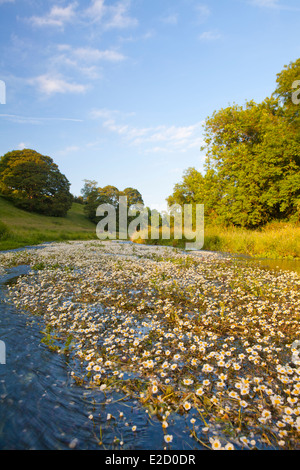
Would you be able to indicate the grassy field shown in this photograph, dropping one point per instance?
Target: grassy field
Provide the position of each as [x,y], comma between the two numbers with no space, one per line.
[20,228]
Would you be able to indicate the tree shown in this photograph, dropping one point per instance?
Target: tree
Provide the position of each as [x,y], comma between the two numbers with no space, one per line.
[254,155]
[288,92]
[252,167]
[89,186]
[34,183]
[95,196]
[133,196]
[196,189]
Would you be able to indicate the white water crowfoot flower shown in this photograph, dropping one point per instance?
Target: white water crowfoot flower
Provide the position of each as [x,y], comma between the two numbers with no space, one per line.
[215,443]
[187,406]
[105,304]
[188,381]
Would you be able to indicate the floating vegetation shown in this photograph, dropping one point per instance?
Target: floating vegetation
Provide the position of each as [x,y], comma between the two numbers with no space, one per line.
[191,336]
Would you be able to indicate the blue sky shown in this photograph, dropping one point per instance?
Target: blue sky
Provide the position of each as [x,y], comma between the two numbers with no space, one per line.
[117,91]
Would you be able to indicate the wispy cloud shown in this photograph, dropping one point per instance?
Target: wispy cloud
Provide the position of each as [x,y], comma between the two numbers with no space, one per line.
[202,12]
[156,139]
[96,10]
[107,114]
[22,146]
[66,60]
[171,19]
[209,36]
[89,54]
[49,85]
[272,4]
[68,150]
[118,16]
[58,16]
[110,16]
[265,3]
[35,120]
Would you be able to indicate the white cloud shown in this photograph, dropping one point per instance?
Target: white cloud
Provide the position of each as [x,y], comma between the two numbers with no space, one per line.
[96,10]
[156,139]
[91,54]
[35,120]
[83,60]
[110,16]
[50,85]
[6,1]
[22,146]
[266,3]
[68,150]
[170,19]
[209,36]
[108,113]
[203,12]
[58,16]
[119,17]
[272,4]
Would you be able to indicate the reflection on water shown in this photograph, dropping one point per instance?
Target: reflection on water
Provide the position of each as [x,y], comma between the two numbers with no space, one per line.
[277,264]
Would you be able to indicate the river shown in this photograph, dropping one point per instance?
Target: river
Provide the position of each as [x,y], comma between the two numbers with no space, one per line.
[41,408]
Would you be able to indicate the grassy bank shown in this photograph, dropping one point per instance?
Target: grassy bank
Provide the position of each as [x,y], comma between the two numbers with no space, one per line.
[276,240]
[20,228]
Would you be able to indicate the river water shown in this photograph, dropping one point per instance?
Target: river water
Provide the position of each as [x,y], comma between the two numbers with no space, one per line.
[41,408]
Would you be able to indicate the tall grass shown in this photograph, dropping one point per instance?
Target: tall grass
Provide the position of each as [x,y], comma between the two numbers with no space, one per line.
[4,231]
[276,240]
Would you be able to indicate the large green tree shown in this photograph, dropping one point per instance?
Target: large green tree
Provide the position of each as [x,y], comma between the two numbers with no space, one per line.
[288,93]
[254,153]
[252,168]
[34,183]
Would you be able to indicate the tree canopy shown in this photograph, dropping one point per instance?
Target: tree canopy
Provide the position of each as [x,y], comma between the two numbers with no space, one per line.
[94,196]
[34,183]
[252,166]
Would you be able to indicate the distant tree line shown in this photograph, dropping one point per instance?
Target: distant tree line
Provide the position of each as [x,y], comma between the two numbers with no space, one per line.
[94,196]
[252,167]
[34,183]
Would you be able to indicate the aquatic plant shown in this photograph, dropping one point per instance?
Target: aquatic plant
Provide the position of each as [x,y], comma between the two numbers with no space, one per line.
[196,335]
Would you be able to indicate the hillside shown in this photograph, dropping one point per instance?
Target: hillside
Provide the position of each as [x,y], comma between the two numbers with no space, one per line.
[26,228]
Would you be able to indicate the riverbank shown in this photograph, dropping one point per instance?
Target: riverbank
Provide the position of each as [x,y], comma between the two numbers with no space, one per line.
[201,342]
[19,228]
[274,241]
